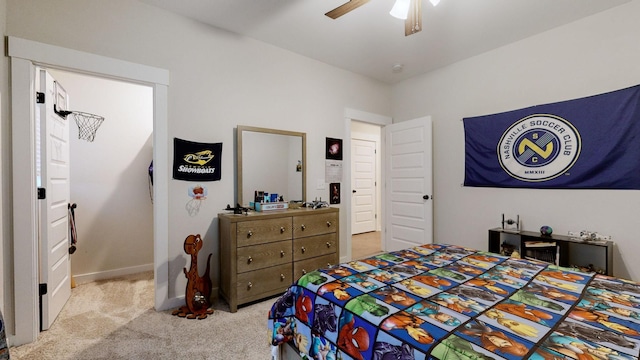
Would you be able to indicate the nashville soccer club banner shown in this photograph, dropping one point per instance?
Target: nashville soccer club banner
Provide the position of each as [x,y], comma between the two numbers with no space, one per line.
[194,161]
[587,143]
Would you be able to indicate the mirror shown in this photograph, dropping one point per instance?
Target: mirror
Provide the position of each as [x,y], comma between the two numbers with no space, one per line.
[273,161]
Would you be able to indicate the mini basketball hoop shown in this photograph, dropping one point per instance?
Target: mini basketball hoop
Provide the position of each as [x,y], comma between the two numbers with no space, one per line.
[87,124]
[198,194]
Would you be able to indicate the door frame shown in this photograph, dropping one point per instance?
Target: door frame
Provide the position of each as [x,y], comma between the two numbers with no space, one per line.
[366,117]
[25,55]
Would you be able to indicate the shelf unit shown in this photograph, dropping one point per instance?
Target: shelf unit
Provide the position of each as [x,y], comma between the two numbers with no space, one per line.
[570,252]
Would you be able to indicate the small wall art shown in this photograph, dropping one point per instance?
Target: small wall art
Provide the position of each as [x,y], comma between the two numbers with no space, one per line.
[334,149]
[334,192]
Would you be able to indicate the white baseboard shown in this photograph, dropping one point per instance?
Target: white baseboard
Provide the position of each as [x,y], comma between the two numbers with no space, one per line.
[110,274]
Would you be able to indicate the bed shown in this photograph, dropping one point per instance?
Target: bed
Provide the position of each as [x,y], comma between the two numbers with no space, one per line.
[447,302]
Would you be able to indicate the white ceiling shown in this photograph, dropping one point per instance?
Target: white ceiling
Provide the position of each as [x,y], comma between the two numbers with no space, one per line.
[370,42]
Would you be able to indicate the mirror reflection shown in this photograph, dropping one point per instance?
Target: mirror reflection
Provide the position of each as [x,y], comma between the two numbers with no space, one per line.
[272,161]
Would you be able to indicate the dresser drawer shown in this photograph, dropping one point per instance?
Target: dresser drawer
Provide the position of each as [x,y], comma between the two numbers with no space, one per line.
[261,283]
[308,247]
[263,231]
[302,267]
[310,225]
[262,256]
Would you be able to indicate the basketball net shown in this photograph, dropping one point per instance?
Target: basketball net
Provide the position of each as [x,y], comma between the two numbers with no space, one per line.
[87,125]
[198,194]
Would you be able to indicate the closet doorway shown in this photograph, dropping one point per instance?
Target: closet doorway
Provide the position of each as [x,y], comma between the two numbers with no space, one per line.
[366,194]
[109,177]
[24,55]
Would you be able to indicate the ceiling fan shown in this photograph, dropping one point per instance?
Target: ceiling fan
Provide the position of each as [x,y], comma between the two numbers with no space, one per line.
[409,10]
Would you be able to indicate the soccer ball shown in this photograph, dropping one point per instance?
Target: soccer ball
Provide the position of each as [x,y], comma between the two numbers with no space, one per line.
[546,230]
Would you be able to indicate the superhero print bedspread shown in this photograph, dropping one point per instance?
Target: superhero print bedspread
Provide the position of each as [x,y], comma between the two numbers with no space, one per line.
[449,302]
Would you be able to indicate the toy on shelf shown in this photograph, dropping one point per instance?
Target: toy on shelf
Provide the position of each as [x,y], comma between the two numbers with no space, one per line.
[238,209]
[586,235]
[511,225]
[198,291]
[546,230]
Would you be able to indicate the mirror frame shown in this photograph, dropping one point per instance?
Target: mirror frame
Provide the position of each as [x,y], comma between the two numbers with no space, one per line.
[241,129]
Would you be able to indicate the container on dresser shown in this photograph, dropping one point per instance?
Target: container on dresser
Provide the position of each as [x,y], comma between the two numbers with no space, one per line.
[262,253]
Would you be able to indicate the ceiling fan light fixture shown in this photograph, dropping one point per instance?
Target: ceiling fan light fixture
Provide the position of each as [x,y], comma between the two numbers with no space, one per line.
[400,9]
[434,2]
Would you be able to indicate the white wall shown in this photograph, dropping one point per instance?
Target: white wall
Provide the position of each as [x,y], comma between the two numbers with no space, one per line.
[218,80]
[594,55]
[109,178]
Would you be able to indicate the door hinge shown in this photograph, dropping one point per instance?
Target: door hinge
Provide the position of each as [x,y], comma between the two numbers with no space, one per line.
[39,98]
[43,289]
[42,193]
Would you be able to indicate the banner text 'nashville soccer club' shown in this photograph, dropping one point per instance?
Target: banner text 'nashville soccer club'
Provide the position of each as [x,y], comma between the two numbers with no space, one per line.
[586,143]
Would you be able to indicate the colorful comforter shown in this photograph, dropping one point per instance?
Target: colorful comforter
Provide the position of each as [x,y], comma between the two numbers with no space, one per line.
[449,302]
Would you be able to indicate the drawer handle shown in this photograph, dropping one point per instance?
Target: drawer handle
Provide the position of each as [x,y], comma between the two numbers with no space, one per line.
[250,234]
[304,249]
[303,227]
[328,244]
[329,265]
[282,277]
[281,253]
[249,260]
[249,285]
[282,229]
[304,272]
[328,223]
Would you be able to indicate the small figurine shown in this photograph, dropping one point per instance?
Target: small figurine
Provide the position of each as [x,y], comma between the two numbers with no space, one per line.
[507,249]
[586,236]
[511,225]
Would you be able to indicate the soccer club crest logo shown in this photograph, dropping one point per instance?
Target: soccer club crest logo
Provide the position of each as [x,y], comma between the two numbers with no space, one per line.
[539,148]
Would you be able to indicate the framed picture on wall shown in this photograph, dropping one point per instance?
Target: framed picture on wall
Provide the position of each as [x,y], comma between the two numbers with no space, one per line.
[334,193]
[334,149]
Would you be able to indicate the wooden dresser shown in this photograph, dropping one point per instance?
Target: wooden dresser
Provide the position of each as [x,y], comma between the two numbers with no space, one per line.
[262,253]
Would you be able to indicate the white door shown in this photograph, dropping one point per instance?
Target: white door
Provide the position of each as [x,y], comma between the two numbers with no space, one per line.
[52,174]
[408,181]
[363,185]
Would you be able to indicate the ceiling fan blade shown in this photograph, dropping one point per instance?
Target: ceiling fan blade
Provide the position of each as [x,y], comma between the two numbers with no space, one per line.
[413,24]
[345,8]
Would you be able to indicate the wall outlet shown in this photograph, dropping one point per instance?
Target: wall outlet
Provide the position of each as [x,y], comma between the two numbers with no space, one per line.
[321,185]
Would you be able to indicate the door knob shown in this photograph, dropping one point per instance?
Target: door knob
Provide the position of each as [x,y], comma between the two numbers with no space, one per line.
[426,197]
[353,191]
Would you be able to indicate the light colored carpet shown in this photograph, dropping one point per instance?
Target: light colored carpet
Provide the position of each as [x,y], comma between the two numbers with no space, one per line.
[115,319]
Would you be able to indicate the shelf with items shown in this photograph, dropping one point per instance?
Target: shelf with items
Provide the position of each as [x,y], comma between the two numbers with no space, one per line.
[547,251]
[569,252]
